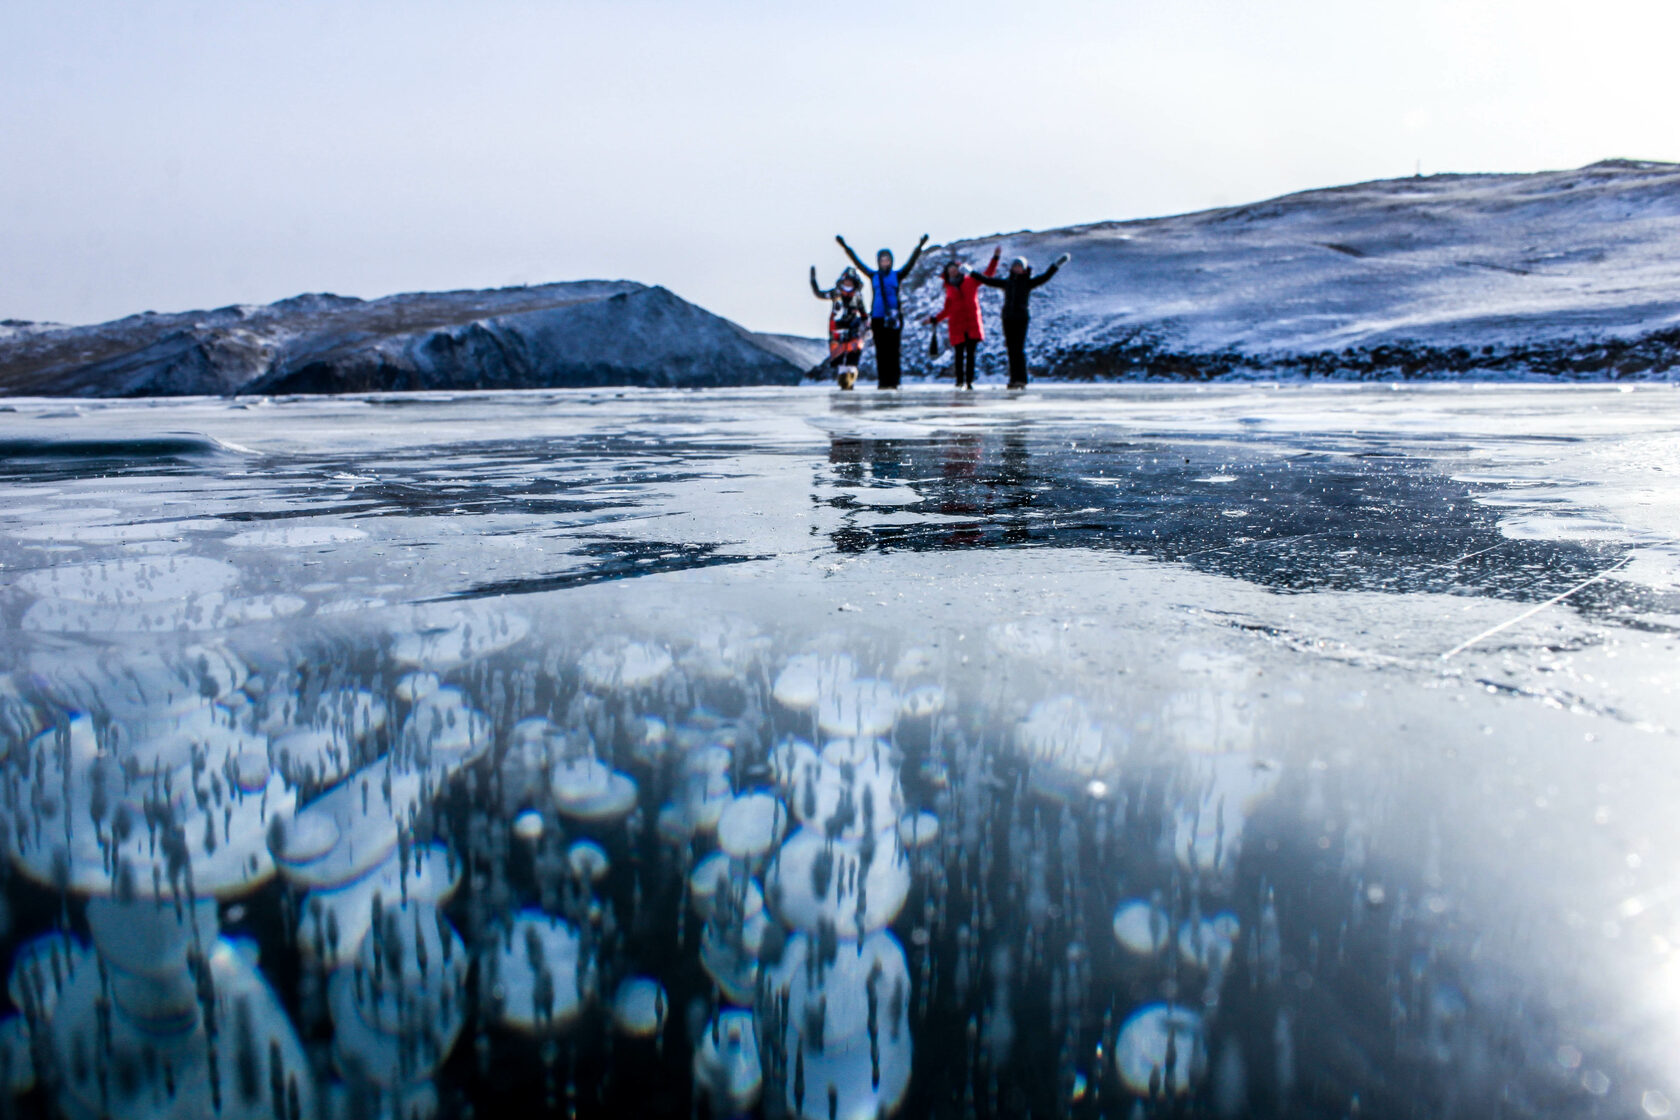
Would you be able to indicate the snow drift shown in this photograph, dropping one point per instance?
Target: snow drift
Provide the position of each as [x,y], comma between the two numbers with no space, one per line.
[585,333]
[1567,273]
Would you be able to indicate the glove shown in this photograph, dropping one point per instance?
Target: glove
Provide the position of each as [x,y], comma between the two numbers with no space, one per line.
[1063,259]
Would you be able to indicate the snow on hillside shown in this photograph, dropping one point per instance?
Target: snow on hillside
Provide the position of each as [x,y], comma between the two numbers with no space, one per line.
[1562,273]
[580,333]
[1572,273]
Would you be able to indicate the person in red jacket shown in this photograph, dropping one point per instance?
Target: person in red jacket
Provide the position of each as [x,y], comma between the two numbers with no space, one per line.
[962,315]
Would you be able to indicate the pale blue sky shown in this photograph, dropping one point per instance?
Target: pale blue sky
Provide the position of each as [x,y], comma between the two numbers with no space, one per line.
[170,155]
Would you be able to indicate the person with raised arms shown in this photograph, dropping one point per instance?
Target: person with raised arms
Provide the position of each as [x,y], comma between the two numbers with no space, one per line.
[846,318]
[1017,294]
[886,315]
[962,315]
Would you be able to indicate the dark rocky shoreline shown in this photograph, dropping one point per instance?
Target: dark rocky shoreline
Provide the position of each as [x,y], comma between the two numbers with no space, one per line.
[1653,357]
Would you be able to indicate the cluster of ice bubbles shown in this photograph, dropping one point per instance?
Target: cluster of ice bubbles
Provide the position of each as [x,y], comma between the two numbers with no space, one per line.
[1161,1047]
[171,781]
[819,864]
[165,784]
[135,594]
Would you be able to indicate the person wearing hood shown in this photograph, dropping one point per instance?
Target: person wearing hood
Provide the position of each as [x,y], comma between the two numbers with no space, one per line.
[1017,293]
[962,315]
[846,318]
[886,315]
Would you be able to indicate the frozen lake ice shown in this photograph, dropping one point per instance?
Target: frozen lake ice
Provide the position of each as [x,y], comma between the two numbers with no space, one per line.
[1122,751]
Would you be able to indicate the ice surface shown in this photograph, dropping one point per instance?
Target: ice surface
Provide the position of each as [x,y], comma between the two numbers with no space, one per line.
[835,753]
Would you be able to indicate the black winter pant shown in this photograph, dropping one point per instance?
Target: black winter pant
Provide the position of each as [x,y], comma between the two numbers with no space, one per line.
[964,363]
[1015,341]
[887,337]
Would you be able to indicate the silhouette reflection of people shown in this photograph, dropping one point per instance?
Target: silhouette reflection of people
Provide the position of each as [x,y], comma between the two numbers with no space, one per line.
[990,501]
[1015,481]
[959,460]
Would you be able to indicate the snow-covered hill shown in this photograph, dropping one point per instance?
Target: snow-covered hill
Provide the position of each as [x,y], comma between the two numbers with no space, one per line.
[1563,273]
[584,333]
[1568,273]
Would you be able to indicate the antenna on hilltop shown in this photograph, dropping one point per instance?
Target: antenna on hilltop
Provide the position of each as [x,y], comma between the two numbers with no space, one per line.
[1418,173]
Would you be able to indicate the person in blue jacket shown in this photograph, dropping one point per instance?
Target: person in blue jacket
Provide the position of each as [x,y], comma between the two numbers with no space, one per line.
[886,316]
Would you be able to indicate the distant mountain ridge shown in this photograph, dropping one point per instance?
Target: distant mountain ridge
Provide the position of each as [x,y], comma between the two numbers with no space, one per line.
[582,333]
[1548,274]
[1559,273]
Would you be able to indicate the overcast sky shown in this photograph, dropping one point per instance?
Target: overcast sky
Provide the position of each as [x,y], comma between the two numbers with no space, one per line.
[166,155]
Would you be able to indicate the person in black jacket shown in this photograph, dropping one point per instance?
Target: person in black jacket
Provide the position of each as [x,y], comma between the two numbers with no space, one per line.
[1017,293]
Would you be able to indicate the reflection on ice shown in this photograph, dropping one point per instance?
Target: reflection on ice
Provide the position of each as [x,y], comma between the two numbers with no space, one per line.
[103,596]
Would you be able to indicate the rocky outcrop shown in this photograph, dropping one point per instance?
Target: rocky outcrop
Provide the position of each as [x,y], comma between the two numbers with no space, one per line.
[589,333]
